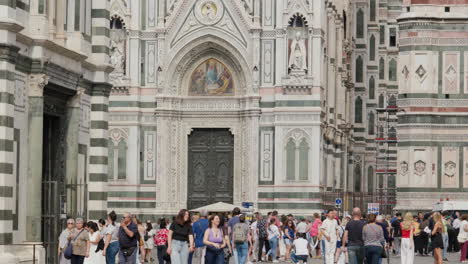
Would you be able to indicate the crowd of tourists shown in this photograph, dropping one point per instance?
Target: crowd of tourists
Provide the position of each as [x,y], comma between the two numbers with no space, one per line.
[218,238]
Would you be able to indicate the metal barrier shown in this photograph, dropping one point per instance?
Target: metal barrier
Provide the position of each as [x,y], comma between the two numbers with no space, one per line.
[35,248]
[385,198]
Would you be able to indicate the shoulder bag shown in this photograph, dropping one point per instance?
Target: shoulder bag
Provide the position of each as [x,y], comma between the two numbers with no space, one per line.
[69,250]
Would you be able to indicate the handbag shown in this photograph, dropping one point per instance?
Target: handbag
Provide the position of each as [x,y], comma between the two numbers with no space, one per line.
[69,249]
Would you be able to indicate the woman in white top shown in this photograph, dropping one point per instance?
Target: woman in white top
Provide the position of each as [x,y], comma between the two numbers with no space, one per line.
[149,240]
[63,241]
[94,238]
[111,239]
[273,237]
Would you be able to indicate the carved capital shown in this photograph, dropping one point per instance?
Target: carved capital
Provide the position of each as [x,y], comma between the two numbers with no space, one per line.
[76,99]
[36,84]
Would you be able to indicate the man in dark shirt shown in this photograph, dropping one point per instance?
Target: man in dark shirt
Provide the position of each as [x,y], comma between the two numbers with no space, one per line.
[262,227]
[128,237]
[397,234]
[352,238]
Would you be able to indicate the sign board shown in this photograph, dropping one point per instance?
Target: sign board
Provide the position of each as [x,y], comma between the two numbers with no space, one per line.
[373,208]
[338,201]
[247,205]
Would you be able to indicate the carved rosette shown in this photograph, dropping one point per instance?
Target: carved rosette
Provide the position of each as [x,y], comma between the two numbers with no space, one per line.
[36,84]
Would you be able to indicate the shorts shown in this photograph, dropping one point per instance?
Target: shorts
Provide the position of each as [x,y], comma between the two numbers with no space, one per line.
[338,244]
[288,242]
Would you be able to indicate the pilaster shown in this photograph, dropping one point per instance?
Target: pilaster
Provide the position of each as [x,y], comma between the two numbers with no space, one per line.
[36,84]
[98,162]
[71,166]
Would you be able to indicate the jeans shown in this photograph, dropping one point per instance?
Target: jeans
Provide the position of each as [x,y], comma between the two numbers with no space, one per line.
[373,254]
[161,251]
[407,251]
[397,245]
[75,259]
[132,259]
[242,251]
[255,249]
[273,246]
[180,252]
[356,254]
[111,252]
[214,256]
[296,258]
[445,238]
[261,242]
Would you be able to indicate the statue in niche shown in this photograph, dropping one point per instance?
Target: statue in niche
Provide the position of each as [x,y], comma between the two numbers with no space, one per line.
[298,54]
[117,47]
[297,32]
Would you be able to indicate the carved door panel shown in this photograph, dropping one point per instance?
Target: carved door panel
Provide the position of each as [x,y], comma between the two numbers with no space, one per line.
[210,172]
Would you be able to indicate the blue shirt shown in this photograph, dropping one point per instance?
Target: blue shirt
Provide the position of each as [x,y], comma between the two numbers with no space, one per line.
[199,228]
[124,240]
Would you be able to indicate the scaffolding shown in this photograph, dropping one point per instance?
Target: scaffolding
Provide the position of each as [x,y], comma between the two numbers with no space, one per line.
[386,154]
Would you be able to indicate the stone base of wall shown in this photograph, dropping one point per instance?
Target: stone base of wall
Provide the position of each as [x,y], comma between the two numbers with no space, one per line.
[424,201]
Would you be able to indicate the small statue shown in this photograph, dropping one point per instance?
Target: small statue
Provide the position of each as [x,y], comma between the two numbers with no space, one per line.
[297,58]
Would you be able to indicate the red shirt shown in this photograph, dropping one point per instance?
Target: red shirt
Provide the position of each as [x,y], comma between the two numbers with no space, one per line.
[405,233]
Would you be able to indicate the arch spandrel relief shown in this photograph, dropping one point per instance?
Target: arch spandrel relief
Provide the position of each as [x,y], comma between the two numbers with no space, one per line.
[211,77]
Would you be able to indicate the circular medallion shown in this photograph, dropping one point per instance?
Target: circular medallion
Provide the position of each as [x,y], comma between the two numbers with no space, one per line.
[209,12]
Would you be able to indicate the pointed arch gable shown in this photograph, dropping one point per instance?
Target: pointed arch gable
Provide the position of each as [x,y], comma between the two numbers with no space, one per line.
[188,56]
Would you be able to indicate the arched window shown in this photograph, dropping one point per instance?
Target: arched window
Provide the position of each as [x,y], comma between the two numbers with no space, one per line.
[303,160]
[360,24]
[358,110]
[381,132]
[122,161]
[381,101]
[297,20]
[297,158]
[110,159]
[392,101]
[117,158]
[392,132]
[372,48]
[372,10]
[370,179]
[371,123]
[372,87]
[291,160]
[392,66]
[359,69]
[382,68]
[357,178]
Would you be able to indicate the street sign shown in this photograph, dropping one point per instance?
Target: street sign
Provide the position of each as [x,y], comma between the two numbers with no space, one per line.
[338,201]
[247,204]
[373,208]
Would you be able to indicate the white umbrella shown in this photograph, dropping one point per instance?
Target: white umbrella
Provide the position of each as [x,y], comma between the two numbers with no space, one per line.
[218,207]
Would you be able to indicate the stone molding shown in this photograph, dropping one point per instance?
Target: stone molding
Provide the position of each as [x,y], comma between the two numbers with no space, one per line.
[36,84]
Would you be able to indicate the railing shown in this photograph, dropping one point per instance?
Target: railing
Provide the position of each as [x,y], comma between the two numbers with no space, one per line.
[385,198]
[18,250]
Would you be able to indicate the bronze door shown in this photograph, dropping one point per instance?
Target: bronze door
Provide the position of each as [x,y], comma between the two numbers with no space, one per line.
[210,167]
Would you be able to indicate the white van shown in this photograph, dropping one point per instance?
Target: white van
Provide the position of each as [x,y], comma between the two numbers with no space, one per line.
[451,206]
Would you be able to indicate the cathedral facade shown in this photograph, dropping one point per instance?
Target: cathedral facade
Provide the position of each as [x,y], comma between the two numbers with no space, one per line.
[234,101]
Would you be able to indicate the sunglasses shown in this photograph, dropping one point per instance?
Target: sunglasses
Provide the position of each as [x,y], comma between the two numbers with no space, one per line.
[70,223]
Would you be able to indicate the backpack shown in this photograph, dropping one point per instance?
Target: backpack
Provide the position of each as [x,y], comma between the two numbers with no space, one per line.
[239,234]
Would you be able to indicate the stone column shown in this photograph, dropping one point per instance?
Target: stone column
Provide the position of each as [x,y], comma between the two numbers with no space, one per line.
[97,184]
[36,84]
[71,139]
